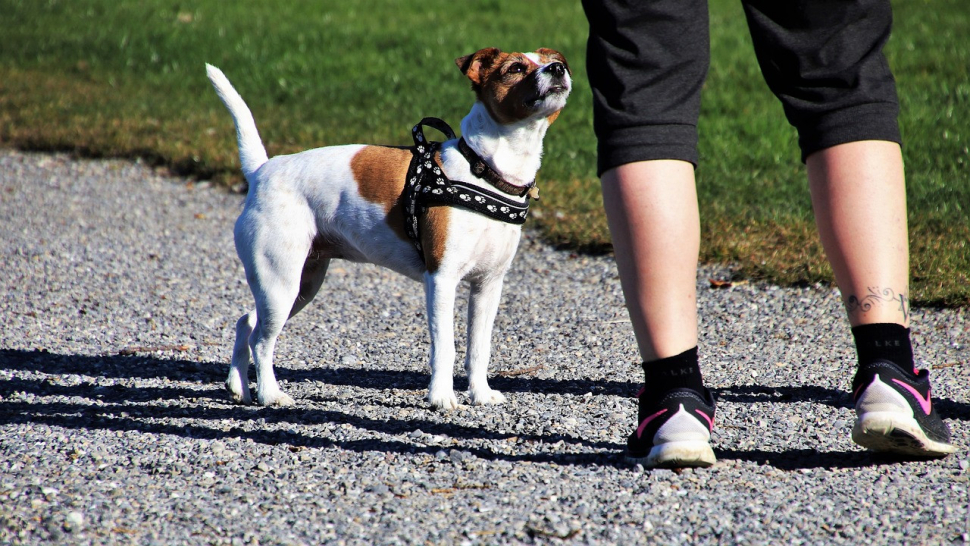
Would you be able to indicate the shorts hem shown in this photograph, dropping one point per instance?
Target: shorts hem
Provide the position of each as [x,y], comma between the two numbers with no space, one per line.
[864,122]
[651,142]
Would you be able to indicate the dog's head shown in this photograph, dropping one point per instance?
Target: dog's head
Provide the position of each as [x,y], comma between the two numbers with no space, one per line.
[518,86]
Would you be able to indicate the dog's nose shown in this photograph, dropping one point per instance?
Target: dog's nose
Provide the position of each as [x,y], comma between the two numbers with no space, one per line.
[557,70]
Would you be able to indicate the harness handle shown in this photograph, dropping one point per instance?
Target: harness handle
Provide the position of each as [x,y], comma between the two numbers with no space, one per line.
[435,123]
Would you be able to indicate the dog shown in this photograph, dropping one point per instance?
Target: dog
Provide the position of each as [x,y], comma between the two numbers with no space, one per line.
[305,209]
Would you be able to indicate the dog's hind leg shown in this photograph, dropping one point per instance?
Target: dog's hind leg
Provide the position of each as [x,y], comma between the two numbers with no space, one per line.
[272,310]
[273,260]
[238,382]
[314,271]
[482,308]
[440,297]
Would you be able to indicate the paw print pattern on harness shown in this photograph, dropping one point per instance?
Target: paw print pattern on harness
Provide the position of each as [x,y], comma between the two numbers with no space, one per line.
[418,192]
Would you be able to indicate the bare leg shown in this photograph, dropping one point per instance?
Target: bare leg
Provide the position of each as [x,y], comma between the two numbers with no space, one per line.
[652,211]
[651,207]
[859,197]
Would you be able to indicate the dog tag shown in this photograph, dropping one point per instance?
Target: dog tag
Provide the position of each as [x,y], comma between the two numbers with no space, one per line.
[534,192]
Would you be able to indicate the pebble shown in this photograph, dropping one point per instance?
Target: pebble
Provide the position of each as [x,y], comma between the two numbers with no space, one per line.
[74,520]
[120,289]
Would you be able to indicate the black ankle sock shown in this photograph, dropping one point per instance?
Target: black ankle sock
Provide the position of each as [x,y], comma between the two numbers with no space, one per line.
[675,372]
[884,342]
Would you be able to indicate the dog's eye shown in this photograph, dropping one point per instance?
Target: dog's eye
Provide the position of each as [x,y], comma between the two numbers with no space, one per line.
[516,68]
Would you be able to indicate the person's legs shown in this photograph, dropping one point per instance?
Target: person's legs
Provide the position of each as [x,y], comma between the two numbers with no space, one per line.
[859,198]
[647,62]
[651,207]
[824,61]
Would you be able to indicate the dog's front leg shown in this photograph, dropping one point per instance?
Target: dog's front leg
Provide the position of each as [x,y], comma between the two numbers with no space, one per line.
[439,291]
[482,308]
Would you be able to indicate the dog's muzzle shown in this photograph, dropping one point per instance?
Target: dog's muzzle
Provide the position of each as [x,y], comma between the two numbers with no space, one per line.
[550,80]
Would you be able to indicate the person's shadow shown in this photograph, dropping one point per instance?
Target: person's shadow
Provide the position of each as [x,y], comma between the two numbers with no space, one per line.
[112,408]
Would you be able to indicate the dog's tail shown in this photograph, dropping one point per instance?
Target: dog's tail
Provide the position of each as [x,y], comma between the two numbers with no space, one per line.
[252,154]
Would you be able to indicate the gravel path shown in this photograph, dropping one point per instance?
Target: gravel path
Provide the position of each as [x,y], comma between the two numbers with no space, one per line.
[119,288]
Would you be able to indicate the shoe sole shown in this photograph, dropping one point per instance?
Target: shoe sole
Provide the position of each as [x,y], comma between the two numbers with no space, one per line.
[891,432]
[677,455]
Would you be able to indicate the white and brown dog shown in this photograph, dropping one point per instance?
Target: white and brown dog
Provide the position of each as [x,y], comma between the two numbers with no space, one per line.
[303,210]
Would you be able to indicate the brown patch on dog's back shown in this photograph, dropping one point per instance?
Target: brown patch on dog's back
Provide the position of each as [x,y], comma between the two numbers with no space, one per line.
[434,226]
[380,172]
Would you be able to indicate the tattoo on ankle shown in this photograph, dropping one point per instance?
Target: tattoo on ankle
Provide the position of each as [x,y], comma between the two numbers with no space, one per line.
[877,296]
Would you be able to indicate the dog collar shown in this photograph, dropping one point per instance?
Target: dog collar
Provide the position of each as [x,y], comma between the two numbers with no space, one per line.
[426,184]
[483,170]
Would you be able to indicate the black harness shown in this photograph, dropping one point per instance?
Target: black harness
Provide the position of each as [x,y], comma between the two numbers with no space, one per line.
[427,185]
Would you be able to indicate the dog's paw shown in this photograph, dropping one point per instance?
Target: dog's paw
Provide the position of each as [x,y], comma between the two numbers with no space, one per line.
[486,396]
[446,401]
[279,398]
[238,391]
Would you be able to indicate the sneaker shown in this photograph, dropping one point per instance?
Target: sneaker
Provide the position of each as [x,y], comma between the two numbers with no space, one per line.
[674,431]
[894,412]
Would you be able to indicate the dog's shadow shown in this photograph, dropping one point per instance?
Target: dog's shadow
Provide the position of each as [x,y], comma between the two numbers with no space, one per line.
[115,407]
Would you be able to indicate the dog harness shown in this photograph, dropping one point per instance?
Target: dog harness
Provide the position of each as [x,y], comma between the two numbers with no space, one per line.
[427,185]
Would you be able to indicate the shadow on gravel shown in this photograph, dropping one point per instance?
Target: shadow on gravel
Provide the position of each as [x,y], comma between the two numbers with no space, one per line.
[109,365]
[807,459]
[403,379]
[157,420]
[116,407]
[749,394]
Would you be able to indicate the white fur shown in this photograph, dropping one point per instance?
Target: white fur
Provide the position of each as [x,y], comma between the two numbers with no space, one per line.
[252,154]
[293,199]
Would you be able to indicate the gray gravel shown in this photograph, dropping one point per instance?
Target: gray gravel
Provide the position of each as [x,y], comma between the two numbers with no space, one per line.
[119,288]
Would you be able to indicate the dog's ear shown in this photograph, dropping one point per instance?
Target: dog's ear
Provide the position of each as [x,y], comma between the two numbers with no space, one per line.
[474,65]
[554,55]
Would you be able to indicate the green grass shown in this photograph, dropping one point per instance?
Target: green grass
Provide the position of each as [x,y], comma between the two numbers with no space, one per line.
[114,78]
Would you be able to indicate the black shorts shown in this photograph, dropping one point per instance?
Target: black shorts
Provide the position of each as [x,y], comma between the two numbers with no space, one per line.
[647,61]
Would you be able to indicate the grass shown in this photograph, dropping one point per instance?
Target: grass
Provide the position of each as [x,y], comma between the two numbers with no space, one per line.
[126,79]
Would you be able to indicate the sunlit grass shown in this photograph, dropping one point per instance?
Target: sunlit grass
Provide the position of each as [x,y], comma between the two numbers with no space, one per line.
[107,78]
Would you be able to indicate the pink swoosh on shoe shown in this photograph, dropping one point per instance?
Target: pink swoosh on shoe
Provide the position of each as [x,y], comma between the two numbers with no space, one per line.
[646,421]
[710,421]
[924,403]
